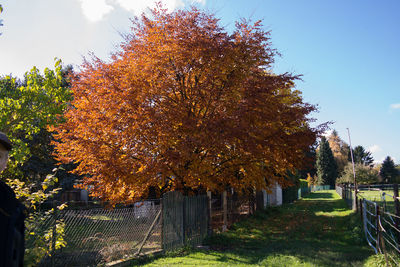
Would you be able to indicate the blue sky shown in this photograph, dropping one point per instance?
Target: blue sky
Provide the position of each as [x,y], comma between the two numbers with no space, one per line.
[347,51]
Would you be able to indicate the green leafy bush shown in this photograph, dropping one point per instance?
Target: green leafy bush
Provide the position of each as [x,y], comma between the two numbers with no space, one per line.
[44,233]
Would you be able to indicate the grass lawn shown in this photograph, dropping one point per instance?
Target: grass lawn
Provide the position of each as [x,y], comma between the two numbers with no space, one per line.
[318,230]
[376,196]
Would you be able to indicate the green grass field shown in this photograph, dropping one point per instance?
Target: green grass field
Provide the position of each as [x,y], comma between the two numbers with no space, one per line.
[318,230]
[376,196]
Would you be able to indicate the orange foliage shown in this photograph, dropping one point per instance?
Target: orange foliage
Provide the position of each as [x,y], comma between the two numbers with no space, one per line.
[185,104]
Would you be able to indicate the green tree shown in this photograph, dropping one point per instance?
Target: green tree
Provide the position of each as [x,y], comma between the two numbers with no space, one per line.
[364,174]
[41,162]
[28,107]
[388,170]
[362,156]
[26,110]
[326,164]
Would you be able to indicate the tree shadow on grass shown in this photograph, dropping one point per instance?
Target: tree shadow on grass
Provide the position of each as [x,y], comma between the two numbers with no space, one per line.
[320,195]
[317,231]
[331,239]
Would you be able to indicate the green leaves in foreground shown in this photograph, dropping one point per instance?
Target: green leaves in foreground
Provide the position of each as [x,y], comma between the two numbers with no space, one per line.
[26,108]
[42,228]
[29,106]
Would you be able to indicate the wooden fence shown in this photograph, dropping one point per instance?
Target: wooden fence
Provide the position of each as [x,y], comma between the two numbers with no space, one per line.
[185,220]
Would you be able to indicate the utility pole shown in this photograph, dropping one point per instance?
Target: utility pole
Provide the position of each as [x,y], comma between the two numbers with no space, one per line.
[354,173]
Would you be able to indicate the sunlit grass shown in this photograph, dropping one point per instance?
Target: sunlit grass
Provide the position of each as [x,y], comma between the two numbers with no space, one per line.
[377,195]
[318,230]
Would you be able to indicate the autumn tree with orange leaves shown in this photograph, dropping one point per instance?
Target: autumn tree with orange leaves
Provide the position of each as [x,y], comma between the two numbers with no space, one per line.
[185,106]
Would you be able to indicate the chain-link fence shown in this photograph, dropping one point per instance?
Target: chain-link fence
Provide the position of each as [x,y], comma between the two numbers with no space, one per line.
[92,234]
[95,234]
[347,193]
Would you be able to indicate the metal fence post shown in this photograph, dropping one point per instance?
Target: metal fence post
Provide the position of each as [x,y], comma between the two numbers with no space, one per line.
[378,230]
[53,238]
[397,210]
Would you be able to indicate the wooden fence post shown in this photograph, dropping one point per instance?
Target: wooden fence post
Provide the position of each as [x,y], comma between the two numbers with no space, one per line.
[184,204]
[252,202]
[209,212]
[225,211]
[259,200]
[355,202]
[162,224]
[361,210]
[378,232]
[146,237]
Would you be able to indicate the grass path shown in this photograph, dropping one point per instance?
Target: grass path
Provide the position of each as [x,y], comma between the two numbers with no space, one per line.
[318,230]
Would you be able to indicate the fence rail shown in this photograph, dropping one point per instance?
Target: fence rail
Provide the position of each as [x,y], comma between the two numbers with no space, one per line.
[381,217]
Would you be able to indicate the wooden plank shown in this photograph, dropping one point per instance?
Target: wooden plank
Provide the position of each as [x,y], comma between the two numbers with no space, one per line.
[172,220]
[185,220]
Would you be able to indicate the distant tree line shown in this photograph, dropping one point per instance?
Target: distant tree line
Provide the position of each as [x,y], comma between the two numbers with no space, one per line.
[334,164]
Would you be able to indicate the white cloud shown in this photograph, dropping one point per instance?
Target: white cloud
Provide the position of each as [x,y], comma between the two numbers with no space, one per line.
[327,133]
[395,106]
[377,162]
[95,10]
[374,148]
[203,2]
[139,6]
[383,158]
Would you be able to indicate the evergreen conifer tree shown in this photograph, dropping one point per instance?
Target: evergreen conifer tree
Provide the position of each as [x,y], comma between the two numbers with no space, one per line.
[388,170]
[362,156]
[326,165]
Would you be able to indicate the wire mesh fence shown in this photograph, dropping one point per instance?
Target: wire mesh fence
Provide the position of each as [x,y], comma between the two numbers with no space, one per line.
[390,235]
[370,221]
[346,193]
[380,209]
[95,235]
[292,193]
[382,231]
